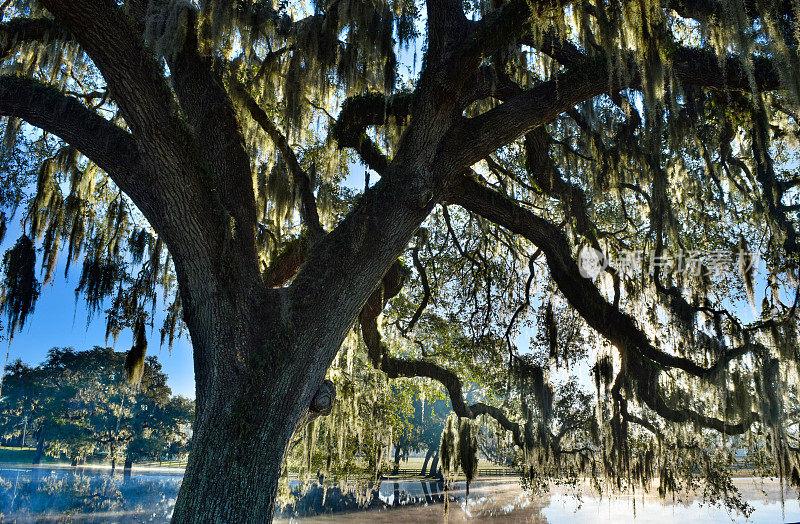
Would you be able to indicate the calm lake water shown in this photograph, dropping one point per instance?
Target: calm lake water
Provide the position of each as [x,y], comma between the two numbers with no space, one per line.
[51,494]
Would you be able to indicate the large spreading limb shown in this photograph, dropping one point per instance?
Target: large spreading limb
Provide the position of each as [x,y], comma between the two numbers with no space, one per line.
[398,367]
[765,174]
[472,139]
[475,138]
[175,190]
[20,30]
[495,30]
[173,173]
[618,327]
[714,10]
[107,145]
[135,79]
[360,112]
[650,393]
[210,113]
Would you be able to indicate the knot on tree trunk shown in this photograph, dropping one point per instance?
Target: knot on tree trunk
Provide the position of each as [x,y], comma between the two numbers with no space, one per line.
[322,403]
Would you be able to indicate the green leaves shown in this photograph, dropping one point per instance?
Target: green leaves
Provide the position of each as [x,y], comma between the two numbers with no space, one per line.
[86,406]
[20,284]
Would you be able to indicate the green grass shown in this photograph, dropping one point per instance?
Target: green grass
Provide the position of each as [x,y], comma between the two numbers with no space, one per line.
[413,465]
[17,454]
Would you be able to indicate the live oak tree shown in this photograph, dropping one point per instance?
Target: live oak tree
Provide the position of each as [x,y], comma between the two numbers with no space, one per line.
[78,403]
[197,139]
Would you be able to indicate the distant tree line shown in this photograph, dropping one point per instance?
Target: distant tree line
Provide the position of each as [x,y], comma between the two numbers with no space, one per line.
[78,405]
[420,429]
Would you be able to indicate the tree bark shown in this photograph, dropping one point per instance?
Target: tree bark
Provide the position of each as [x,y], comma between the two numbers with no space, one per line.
[428,456]
[126,471]
[397,452]
[37,458]
[248,409]
[233,470]
[434,465]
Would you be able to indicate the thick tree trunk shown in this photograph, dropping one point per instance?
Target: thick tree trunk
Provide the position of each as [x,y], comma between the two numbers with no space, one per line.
[260,354]
[397,452]
[434,472]
[37,458]
[233,479]
[426,493]
[428,456]
[126,471]
[241,432]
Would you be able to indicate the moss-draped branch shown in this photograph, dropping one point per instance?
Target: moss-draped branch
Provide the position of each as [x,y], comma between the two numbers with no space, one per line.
[106,144]
[619,328]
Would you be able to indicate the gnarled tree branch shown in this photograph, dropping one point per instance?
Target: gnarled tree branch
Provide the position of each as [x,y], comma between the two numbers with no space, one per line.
[476,138]
[390,286]
[211,115]
[20,30]
[135,80]
[618,327]
[110,147]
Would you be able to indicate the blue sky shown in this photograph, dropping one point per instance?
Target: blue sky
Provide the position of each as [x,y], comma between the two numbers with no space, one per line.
[59,321]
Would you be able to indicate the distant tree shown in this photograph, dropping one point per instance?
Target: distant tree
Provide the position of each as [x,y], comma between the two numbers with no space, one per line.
[29,392]
[79,402]
[420,426]
[430,419]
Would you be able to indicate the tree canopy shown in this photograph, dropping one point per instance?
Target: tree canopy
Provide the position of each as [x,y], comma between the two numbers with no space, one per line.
[79,403]
[201,154]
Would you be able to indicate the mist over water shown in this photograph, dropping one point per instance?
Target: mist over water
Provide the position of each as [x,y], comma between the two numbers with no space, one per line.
[87,494]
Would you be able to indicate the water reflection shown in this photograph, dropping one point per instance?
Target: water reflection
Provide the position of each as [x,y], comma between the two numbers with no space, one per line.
[564,509]
[86,494]
[92,495]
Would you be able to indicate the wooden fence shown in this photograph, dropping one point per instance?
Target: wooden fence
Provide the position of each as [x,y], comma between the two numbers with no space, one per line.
[491,471]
